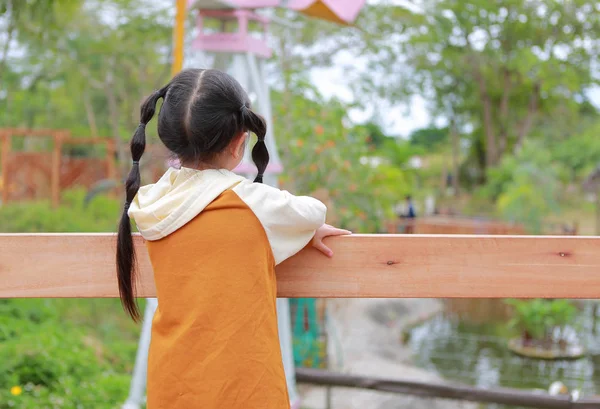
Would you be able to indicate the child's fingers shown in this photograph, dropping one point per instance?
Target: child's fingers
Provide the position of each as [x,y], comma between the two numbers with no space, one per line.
[337,232]
[323,248]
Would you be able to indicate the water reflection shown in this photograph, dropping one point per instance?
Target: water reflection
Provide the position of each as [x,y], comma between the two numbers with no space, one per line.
[477,355]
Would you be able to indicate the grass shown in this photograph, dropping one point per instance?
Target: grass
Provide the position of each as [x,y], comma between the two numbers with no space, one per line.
[68,354]
[64,353]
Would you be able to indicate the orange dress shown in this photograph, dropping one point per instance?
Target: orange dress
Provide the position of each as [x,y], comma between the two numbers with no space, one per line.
[215,341]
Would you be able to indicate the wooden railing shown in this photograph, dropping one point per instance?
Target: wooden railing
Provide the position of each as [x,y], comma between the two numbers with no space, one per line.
[394,266]
[465,393]
[82,265]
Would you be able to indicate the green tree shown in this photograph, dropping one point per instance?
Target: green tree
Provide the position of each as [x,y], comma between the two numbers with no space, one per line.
[507,64]
[525,186]
[504,69]
[91,74]
[580,152]
[429,138]
[324,158]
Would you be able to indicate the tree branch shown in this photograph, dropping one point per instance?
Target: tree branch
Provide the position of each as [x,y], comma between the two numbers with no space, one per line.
[525,126]
[9,31]
[488,123]
[504,110]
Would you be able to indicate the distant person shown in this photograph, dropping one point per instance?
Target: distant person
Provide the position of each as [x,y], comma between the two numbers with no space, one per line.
[409,216]
[214,239]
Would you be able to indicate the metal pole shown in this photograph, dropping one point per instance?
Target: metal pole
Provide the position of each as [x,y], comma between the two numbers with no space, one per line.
[138,380]
[178,35]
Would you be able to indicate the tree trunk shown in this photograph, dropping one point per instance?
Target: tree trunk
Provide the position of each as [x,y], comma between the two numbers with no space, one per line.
[525,127]
[504,110]
[91,117]
[455,158]
[9,35]
[113,109]
[491,156]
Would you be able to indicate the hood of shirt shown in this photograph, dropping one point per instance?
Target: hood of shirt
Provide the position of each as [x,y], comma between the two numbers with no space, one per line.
[180,195]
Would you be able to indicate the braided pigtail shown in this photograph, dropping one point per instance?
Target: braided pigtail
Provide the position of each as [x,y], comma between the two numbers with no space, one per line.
[126,260]
[256,124]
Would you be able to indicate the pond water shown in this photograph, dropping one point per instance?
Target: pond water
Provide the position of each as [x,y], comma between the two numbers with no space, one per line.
[478,355]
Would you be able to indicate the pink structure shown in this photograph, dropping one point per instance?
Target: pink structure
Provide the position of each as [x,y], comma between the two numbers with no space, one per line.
[339,11]
[241,41]
[344,10]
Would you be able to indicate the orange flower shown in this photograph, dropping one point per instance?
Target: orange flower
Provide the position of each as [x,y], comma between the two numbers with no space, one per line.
[318,149]
[299,143]
[319,130]
[313,167]
[353,187]
[330,144]
[347,164]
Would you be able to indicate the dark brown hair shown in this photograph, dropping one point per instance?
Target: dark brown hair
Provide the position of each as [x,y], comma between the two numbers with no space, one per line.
[201,113]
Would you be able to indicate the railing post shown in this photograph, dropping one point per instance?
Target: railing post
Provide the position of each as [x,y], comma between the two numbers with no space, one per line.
[6,146]
[137,388]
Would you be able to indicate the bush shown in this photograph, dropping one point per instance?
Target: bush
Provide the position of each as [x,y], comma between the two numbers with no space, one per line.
[101,215]
[538,319]
[68,354]
[525,187]
[65,354]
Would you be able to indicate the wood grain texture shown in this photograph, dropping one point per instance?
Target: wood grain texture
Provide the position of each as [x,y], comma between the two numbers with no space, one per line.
[82,265]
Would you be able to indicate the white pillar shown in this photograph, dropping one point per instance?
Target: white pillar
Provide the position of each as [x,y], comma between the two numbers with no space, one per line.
[138,380]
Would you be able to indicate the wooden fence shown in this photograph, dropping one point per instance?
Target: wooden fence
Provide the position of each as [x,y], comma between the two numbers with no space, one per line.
[28,175]
[453,225]
[505,396]
[395,266]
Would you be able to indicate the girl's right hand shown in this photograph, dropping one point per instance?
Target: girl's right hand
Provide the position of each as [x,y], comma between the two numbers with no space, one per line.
[327,231]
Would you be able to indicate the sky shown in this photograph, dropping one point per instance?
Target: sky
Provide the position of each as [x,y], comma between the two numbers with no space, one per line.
[398,120]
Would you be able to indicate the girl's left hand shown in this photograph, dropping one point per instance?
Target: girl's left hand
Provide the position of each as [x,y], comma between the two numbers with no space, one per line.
[327,231]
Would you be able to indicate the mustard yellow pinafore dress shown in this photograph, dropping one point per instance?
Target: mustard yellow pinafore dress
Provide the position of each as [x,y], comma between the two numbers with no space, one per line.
[214,239]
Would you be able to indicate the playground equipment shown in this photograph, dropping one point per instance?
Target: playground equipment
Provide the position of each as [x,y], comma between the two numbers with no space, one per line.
[243,55]
[309,335]
[48,163]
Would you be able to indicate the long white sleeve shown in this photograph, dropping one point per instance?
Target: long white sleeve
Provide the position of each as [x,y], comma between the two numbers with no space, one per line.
[289,221]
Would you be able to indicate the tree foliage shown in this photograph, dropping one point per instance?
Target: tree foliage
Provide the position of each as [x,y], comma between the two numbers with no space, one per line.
[336,163]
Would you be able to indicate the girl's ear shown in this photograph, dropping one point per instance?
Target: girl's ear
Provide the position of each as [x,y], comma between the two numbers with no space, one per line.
[238,144]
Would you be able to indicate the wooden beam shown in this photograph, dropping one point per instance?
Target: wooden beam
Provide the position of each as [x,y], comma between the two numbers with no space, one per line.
[412,266]
[32,132]
[4,158]
[504,396]
[55,172]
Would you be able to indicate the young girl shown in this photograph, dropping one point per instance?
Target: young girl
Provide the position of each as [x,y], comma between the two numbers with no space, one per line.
[214,239]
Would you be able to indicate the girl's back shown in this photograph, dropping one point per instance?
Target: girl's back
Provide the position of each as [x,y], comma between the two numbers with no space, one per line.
[214,336]
[214,239]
